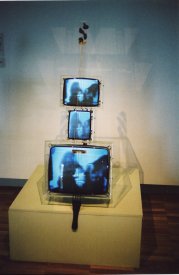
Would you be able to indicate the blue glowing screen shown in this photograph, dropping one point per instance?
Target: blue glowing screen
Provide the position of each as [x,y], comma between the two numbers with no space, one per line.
[79,125]
[81,92]
[79,169]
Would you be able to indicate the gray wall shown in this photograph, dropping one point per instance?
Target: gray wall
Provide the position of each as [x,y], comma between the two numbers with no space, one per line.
[132,46]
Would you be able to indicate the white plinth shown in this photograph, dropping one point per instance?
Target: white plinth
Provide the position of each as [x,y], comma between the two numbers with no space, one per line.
[105,236]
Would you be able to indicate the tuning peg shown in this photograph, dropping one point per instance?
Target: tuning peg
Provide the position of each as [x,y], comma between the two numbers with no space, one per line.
[81,31]
[85,26]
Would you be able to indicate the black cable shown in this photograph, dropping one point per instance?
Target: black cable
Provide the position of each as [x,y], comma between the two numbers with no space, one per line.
[76,204]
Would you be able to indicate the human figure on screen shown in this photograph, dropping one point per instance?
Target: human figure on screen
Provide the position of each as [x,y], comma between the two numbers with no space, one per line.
[91,94]
[76,95]
[80,178]
[79,129]
[72,176]
[96,176]
[86,129]
[75,127]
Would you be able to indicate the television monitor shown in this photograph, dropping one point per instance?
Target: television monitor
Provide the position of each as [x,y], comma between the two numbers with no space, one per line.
[78,170]
[81,91]
[79,124]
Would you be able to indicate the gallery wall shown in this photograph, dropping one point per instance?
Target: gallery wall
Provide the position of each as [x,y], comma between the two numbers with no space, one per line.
[132,46]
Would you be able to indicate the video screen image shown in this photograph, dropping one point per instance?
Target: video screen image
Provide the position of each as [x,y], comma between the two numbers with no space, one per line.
[79,125]
[81,92]
[79,170]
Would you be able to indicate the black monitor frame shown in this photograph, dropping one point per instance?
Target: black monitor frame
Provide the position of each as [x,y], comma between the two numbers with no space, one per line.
[84,131]
[79,91]
[65,198]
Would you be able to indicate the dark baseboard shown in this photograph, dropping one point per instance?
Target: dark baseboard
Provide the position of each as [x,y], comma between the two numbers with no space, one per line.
[159,189]
[12,182]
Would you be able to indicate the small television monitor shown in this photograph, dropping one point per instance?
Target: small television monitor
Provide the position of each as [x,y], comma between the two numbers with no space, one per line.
[79,124]
[78,170]
[81,91]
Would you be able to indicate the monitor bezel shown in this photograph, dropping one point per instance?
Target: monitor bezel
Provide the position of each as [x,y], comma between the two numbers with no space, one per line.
[63,198]
[91,118]
[63,86]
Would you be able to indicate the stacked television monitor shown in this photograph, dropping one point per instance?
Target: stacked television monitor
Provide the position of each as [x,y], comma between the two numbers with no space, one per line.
[78,170]
[80,124]
[81,92]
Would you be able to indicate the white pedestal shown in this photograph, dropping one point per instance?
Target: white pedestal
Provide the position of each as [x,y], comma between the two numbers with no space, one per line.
[105,236]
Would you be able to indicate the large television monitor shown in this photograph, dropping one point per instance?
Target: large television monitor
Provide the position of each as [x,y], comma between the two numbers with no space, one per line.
[79,124]
[78,170]
[81,91]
